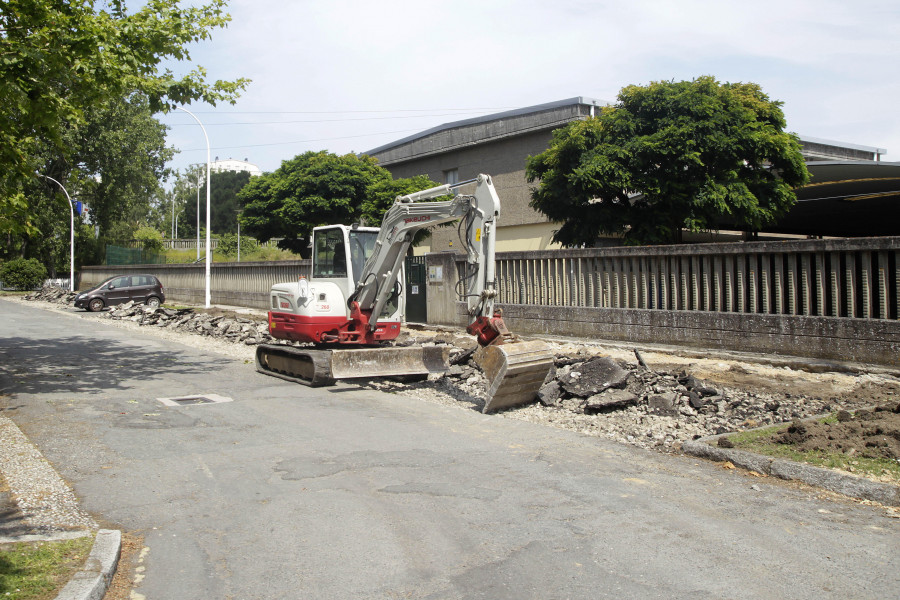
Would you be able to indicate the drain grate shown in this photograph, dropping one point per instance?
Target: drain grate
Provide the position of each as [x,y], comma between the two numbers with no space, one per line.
[196,399]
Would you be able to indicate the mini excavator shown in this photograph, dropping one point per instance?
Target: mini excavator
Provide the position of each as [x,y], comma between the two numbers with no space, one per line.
[349,310]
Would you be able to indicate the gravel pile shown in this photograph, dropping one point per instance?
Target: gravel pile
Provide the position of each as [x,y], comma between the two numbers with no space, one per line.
[652,399]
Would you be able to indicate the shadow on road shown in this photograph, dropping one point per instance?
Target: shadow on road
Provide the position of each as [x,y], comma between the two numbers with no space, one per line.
[86,365]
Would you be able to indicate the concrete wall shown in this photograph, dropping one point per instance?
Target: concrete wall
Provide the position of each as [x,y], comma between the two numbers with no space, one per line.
[867,341]
[820,299]
[244,284]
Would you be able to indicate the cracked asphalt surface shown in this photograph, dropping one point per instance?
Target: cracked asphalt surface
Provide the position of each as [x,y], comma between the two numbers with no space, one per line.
[348,492]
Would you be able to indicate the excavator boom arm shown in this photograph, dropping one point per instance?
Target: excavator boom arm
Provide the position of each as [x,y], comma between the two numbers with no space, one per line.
[411,213]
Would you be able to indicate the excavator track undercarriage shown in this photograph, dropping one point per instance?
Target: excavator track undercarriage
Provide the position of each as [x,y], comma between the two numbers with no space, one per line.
[515,371]
[315,368]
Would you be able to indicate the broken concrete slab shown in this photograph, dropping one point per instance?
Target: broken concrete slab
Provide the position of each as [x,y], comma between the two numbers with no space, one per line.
[609,400]
[594,376]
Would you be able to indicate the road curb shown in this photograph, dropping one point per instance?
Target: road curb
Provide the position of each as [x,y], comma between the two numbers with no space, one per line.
[92,581]
[835,481]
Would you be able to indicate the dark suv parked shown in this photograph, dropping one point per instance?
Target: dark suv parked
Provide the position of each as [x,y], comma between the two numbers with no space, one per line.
[121,289]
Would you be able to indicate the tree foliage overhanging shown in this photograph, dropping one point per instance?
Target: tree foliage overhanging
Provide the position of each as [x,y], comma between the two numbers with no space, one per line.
[79,83]
[320,188]
[60,57]
[667,157]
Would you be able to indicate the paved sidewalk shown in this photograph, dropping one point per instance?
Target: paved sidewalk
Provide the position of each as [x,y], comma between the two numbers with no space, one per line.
[37,505]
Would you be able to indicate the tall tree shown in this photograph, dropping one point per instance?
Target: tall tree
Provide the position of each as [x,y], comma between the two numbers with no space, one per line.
[58,58]
[667,157]
[223,202]
[116,157]
[319,188]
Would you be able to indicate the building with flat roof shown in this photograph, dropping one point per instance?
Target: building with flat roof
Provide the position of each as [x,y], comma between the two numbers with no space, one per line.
[231,164]
[499,144]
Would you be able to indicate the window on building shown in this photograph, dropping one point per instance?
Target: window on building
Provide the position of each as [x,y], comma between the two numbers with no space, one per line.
[451,176]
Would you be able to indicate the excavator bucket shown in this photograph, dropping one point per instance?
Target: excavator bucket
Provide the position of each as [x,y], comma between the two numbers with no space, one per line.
[388,361]
[515,372]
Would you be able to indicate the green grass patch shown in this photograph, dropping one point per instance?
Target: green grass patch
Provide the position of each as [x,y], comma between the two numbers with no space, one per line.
[258,255]
[761,441]
[39,570]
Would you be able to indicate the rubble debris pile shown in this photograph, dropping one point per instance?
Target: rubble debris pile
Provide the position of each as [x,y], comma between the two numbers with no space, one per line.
[53,293]
[630,403]
[229,328]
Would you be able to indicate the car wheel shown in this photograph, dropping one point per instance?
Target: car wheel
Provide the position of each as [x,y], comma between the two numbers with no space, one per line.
[153,302]
[95,305]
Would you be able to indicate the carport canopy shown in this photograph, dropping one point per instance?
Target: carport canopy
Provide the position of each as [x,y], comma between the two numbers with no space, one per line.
[846,199]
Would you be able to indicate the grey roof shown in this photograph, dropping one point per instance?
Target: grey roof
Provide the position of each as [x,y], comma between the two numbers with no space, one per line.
[578,100]
[814,140]
[575,101]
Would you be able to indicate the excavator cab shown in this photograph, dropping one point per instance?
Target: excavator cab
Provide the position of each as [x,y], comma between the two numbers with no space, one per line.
[332,245]
[317,309]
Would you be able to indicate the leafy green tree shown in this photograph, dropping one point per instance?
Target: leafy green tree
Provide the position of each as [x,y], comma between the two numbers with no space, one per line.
[223,202]
[319,188]
[59,58]
[115,159]
[118,157]
[23,273]
[151,240]
[228,245]
[667,157]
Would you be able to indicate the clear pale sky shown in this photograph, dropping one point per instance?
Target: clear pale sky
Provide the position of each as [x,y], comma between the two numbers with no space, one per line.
[351,75]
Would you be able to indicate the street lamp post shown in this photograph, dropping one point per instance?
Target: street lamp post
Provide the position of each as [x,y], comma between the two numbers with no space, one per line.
[198,214]
[71,233]
[208,253]
[239,233]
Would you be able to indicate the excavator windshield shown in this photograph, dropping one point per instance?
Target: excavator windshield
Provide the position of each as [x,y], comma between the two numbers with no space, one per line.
[362,243]
[330,255]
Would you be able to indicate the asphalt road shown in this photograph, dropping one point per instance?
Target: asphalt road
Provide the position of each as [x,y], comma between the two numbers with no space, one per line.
[345,492]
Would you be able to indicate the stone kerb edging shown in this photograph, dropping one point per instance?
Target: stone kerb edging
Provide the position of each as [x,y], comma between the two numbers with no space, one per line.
[92,581]
[842,483]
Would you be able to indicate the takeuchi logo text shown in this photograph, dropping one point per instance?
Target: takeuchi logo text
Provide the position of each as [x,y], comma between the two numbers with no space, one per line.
[418,219]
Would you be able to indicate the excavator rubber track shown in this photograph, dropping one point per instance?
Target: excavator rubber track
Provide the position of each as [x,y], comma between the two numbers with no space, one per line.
[515,372]
[317,368]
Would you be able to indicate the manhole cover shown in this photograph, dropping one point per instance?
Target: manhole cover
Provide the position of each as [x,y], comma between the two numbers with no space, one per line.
[196,399]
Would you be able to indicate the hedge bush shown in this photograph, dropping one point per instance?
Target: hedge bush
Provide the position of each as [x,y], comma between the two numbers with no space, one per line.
[23,274]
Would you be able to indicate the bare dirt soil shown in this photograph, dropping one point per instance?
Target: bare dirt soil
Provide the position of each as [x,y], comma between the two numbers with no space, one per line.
[873,433]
